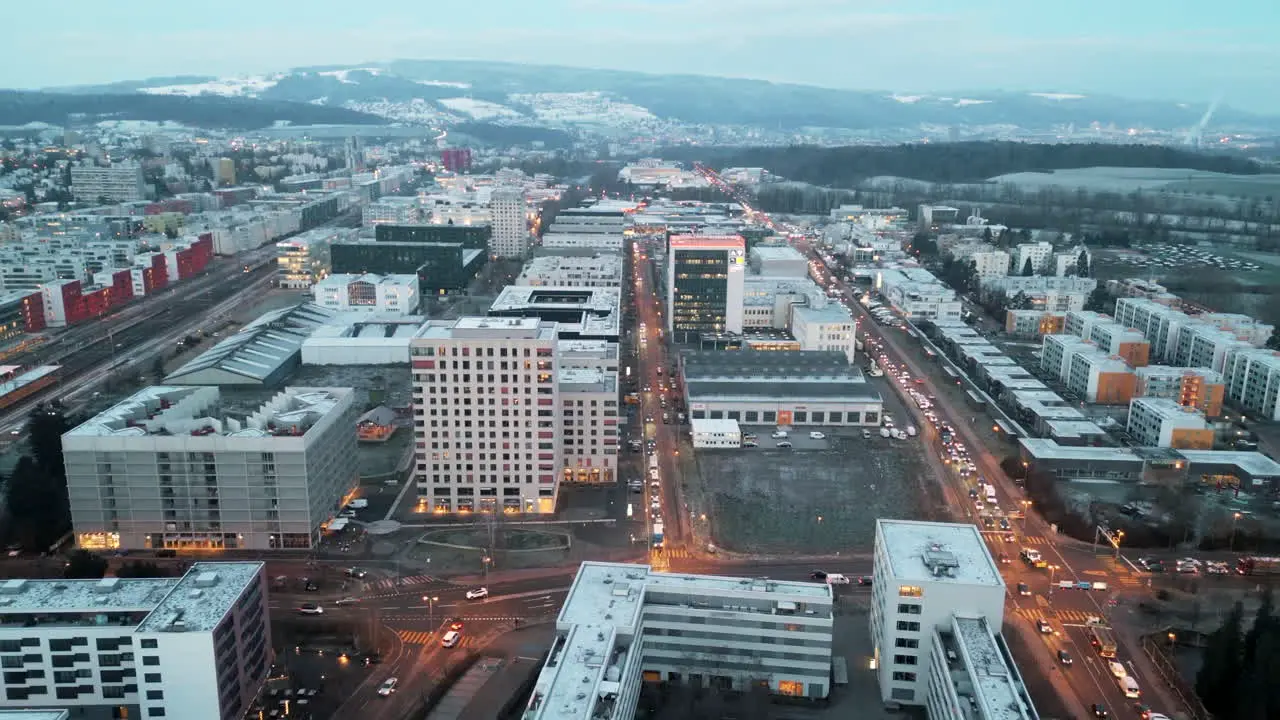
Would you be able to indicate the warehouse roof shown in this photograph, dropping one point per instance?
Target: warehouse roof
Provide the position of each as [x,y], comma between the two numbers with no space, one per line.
[258,351]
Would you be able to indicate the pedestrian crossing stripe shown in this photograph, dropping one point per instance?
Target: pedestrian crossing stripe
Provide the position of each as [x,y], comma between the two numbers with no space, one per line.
[1020,540]
[401,582]
[1073,617]
[426,637]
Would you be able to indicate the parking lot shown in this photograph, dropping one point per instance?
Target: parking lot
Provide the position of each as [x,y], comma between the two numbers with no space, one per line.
[820,496]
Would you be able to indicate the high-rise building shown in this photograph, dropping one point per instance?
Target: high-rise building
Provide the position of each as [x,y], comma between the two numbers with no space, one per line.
[937,604]
[169,467]
[456,159]
[622,625]
[510,223]
[196,647]
[486,409]
[705,283]
[113,183]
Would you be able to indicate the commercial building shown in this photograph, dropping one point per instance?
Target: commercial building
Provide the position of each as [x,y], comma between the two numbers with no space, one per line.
[778,261]
[935,215]
[511,464]
[788,388]
[918,294]
[263,353]
[368,293]
[829,327]
[475,237]
[1160,422]
[705,275]
[1030,324]
[305,259]
[195,647]
[715,433]
[937,603]
[596,270]
[767,301]
[183,467]
[1152,466]
[588,313]
[442,267]
[623,625]
[393,210]
[1199,388]
[510,223]
[1252,379]
[119,183]
[362,340]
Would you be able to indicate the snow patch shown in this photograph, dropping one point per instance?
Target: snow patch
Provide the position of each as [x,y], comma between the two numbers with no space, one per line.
[589,108]
[908,99]
[962,102]
[138,125]
[444,83]
[1057,96]
[479,109]
[341,75]
[248,86]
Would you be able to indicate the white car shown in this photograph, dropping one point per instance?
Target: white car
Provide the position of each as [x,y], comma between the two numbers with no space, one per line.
[310,609]
[477,593]
[1117,669]
[778,434]
[388,687]
[815,435]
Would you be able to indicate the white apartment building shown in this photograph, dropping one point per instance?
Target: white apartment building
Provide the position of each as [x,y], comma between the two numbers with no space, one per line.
[989,264]
[1252,378]
[122,182]
[918,294]
[510,237]
[1159,323]
[196,647]
[623,625]
[1039,253]
[925,576]
[368,293]
[1252,331]
[589,424]
[597,270]
[1195,387]
[1080,322]
[829,327]
[1160,422]
[971,675]
[1203,345]
[1067,261]
[177,467]
[394,210]
[1098,377]
[485,401]
[559,240]
[1056,351]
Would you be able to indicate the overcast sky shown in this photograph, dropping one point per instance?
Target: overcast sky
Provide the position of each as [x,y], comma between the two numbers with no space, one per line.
[1175,49]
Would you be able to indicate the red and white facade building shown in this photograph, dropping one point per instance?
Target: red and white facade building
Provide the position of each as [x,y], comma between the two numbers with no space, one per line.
[486,411]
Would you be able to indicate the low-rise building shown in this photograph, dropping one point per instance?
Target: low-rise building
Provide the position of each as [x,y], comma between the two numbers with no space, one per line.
[778,261]
[800,388]
[1080,322]
[1031,324]
[1126,343]
[1252,379]
[622,625]
[918,294]
[829,327]
[1152,466]
[1200,388]
[368,293]
[179,467]
[1140,288]
[715,433]
[196,647]
[596,270]
[1160,422]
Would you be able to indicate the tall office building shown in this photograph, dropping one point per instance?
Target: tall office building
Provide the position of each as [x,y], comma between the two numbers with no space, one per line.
[705,281]
[112,183]
[170,467]
[937,604]
[486,415]
[196,647]
[510,224]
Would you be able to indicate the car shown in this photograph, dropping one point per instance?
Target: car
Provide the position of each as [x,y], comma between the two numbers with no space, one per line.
[815,435]
[1004,523]
[817,575]
[1024,589]
[977,504]
[866,434]
[348,514]
[784,444]
[865,580]
[1004,559]
[310,585]
[750,443]
[387,687]
[988,522]
[455,625]
[356,573]
[1043,626]
[778,434]
[347,601]
[1099,710]
[648,418]
[1117,670]
[451,639]
[478,593]
[310,609]
[1064,657]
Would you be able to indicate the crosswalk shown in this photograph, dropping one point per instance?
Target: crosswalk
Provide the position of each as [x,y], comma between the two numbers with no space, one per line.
[389,583]
[674,553]
[1066,617]
[997,536]
[426,637]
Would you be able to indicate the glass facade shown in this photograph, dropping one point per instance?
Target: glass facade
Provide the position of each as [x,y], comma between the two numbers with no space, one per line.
[701,292]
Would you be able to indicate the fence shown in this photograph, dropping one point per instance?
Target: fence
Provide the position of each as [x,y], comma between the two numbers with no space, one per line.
[1157,652]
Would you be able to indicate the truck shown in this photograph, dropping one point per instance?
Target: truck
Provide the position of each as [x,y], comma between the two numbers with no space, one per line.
[1102,640]
[1255,565]
[657,535]
[653,462]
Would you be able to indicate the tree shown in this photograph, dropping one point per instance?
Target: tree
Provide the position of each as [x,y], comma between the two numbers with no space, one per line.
[45,427]
[1020,301]
[84,565]
[1100,300]
[1220,671]
[37,505]
[141,569]
[924,245]
[1028,269]
[1082,264]
[986,234]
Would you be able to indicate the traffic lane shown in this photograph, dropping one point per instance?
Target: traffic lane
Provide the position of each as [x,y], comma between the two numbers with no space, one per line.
[1096,680]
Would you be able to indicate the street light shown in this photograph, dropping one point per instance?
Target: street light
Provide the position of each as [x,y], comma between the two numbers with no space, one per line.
[1026,504]
[1234,518]
[1053,569]
[431,601]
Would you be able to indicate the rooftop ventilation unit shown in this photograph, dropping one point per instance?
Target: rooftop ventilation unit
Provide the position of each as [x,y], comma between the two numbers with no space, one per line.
[206,579]
[941,563]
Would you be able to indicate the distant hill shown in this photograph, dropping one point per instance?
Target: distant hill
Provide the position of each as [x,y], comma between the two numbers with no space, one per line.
[954,162]
[515,89]
[206,111]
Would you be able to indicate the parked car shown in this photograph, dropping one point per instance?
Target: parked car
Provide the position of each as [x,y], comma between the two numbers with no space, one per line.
[1024,589]
[815,435]
[778,434]
[784,443]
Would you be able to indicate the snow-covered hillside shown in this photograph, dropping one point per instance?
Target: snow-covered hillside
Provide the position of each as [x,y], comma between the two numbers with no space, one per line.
[480,109]
[248,86]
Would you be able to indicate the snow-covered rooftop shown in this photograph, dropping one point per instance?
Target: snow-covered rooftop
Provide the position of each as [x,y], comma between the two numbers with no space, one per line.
[937,552]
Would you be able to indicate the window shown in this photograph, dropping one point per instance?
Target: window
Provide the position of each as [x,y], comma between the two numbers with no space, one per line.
[908,626]
[155,694]
[150,644]
[904,677]
[910,591]
[902,694]
[911,643]
[904,659]
[908,609]
[151,677]
[151,660]
[155,712]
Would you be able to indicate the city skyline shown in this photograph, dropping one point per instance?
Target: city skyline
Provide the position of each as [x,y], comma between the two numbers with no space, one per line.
[1169,50]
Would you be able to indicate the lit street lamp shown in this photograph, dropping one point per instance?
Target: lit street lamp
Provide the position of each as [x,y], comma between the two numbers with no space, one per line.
[1234,518]
[1053,569]
[431,601]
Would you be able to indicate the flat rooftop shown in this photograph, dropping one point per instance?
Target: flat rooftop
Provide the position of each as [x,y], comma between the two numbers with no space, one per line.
[7,714]
[598,300]
[18,382]
[999,691]
[714,425]
[202,597]
[937,552]
[165,410]
[483,327]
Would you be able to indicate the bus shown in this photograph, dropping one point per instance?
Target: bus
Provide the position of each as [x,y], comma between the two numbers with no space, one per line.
[1102,640]
[653,462]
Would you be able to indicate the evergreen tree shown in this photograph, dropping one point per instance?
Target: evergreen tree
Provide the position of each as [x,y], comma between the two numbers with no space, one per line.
[1082,264]
[1028,269]
[986,234]
[1262,624]
[1216,681]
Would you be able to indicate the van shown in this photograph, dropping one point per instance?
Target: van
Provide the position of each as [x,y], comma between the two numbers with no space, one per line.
[1129,687]
[450,639]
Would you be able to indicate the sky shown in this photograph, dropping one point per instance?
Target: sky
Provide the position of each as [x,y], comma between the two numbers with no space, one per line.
[1184,50]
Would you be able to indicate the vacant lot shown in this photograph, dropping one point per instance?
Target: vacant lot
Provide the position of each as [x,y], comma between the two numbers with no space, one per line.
[821,500]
